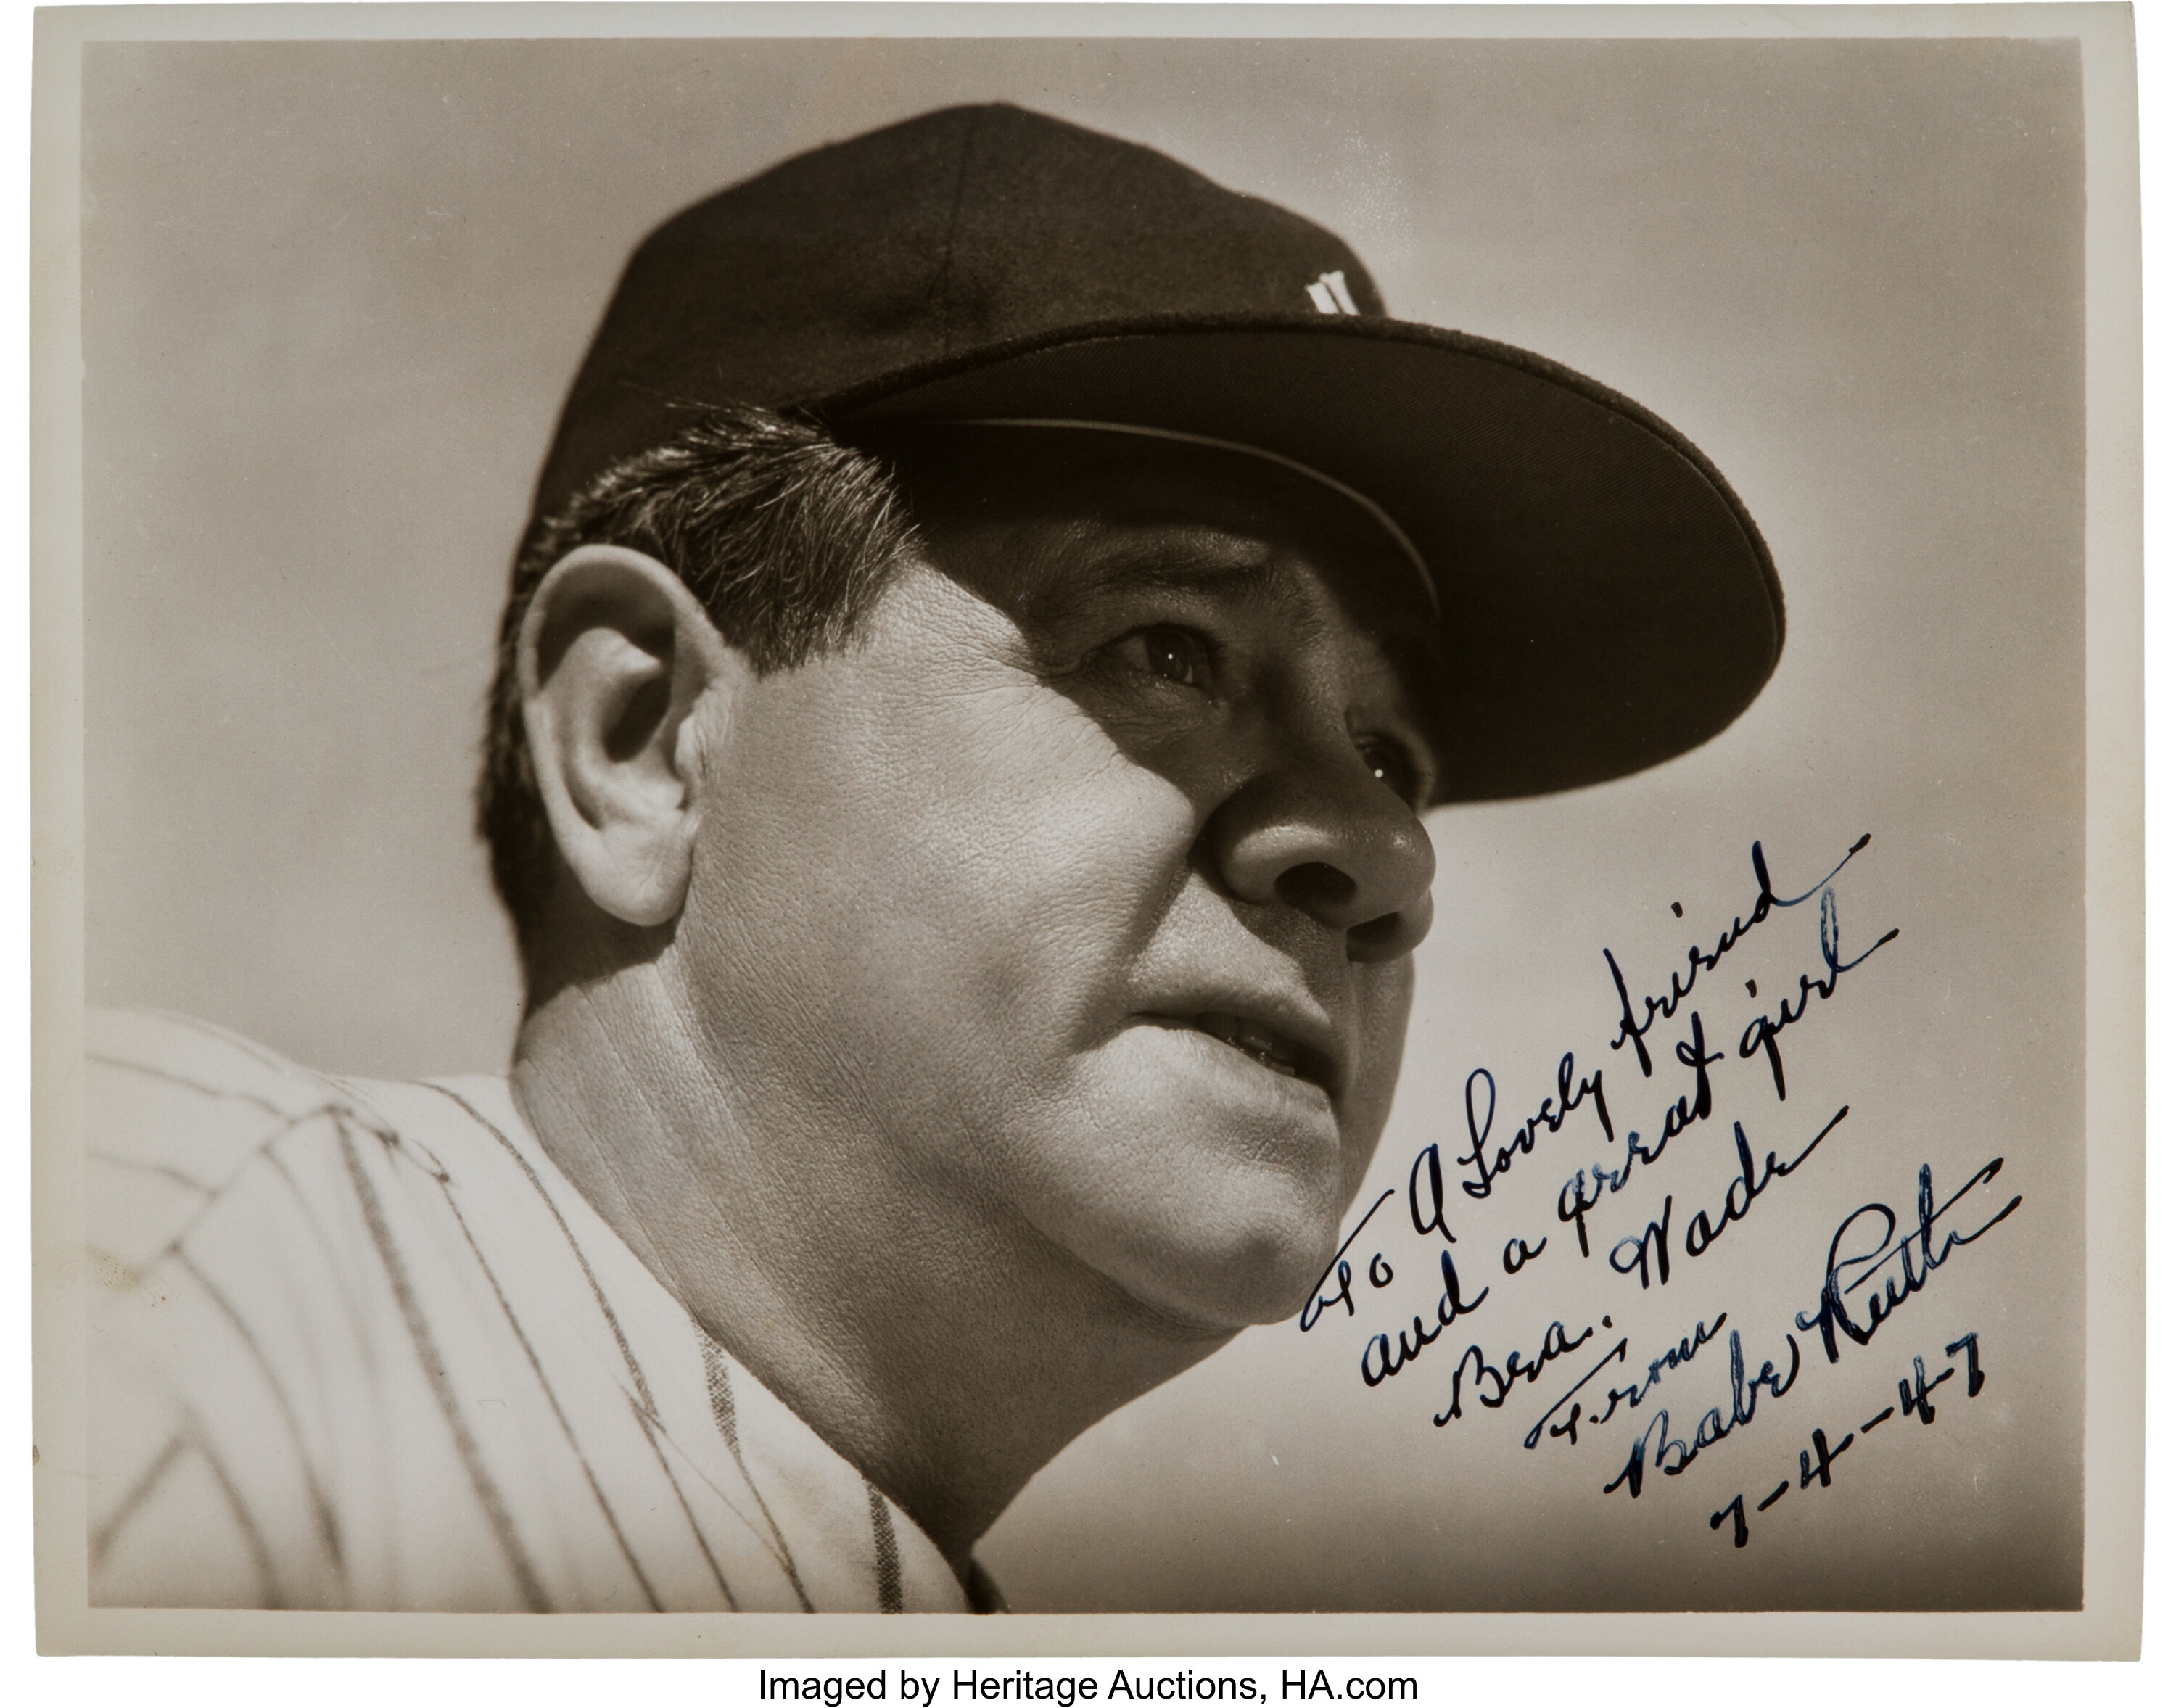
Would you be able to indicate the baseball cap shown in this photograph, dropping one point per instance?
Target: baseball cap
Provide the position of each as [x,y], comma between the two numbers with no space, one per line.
[1605,601]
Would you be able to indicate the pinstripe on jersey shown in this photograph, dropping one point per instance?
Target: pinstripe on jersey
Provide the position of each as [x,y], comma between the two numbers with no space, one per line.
[359,1345]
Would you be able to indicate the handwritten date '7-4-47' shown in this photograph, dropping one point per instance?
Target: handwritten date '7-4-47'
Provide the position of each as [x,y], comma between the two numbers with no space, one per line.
[1817,1461]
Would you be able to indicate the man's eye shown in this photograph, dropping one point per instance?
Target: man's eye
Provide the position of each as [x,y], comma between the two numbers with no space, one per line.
[1394,768]
[1176,655]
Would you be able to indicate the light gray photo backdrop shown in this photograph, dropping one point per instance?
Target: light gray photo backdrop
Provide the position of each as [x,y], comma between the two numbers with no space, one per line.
[332,297]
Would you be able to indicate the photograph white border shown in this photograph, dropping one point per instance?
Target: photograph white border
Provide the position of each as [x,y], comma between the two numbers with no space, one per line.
[2107,1625]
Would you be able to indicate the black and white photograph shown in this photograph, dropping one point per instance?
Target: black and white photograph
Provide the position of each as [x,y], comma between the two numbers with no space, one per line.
[1118,817]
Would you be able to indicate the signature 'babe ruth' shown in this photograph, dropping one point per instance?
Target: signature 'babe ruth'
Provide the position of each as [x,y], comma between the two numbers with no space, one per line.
[997,608]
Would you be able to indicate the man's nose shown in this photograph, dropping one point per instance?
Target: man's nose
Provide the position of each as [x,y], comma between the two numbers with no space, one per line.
[1329,839]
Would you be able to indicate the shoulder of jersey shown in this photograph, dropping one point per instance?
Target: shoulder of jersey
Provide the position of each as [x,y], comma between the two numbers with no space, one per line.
[175,1108]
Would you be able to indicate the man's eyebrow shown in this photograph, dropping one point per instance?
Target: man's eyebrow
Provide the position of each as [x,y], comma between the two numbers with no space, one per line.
[1213,561]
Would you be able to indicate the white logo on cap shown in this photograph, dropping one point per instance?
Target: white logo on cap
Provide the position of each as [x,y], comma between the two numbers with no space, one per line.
[1329,294]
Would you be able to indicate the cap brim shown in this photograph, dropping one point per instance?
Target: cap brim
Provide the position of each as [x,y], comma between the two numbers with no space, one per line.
[1606,603]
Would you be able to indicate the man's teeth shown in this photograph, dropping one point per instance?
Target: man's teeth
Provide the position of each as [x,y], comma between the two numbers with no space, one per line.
[1264,1045]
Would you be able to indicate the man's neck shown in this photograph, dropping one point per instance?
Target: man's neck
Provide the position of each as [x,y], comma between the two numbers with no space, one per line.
[947,1354]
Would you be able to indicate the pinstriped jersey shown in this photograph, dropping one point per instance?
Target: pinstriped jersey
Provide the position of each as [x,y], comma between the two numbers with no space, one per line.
[356,1345]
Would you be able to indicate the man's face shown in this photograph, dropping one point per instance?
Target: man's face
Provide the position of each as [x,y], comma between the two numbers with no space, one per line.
[1081,891]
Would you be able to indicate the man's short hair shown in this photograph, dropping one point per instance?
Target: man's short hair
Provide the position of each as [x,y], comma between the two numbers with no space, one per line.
[785,534]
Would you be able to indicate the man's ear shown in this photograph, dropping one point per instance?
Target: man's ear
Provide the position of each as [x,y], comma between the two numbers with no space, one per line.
[614,654]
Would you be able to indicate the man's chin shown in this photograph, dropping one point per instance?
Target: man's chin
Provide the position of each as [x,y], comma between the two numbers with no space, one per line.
[1207,1186]
[1231,1270]
[1222,1304]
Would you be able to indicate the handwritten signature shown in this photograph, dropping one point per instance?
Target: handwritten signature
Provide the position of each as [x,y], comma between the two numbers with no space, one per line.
[1876,1261]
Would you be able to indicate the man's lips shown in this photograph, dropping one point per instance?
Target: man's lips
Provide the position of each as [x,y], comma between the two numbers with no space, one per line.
[1277,1050]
